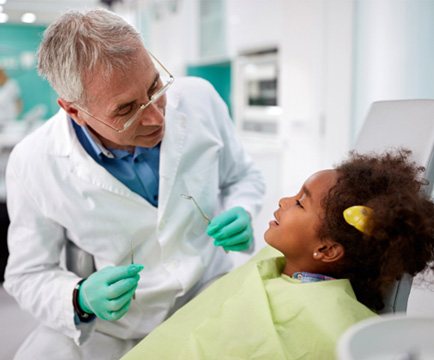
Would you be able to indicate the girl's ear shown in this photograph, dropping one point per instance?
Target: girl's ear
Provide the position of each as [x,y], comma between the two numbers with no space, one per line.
[329,251]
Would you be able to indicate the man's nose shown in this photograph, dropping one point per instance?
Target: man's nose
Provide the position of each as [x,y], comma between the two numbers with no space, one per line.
[153,115]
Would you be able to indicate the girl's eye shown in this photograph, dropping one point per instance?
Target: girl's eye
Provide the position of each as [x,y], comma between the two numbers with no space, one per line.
[298,203]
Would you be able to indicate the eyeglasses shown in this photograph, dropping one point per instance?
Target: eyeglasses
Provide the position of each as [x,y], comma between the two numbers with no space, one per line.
[164,81]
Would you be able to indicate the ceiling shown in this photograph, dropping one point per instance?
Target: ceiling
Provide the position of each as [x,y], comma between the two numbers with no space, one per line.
[45,10]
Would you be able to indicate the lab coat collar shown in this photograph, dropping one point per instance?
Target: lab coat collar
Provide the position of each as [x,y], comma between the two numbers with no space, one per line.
[67,144]
[62,134]
[172,150]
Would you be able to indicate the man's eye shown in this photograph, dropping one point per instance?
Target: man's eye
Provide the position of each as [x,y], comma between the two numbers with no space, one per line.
[125,110]
[298,203]
[154,88]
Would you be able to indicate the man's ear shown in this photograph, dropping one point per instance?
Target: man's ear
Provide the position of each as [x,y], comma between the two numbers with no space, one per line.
[329,251]
[71,110]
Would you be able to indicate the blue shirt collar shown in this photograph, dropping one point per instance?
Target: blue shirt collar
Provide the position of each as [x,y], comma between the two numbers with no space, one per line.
[94,145]
[138,150]
[99,149]
[306,277]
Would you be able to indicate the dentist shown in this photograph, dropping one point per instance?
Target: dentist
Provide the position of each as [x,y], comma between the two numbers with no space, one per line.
[107,173]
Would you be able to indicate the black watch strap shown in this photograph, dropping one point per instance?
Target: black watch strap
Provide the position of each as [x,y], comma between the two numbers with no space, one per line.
[82,315]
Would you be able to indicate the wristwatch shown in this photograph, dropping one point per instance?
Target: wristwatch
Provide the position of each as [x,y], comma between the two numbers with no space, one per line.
[82,315]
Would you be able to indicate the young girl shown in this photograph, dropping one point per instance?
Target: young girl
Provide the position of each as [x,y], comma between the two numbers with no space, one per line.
[345,237]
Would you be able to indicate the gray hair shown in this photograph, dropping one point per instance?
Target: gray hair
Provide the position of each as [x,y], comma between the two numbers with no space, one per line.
[76,43]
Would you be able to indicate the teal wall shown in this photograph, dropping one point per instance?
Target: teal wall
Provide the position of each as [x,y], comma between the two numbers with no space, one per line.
[18,46]
[218,74]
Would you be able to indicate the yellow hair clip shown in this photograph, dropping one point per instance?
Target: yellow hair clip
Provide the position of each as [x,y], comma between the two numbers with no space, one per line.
[359,216]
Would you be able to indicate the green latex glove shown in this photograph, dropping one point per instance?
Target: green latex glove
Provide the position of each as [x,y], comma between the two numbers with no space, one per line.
[107,293]
[232,229]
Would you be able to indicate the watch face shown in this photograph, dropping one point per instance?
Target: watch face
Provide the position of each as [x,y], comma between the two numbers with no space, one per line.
[85,315]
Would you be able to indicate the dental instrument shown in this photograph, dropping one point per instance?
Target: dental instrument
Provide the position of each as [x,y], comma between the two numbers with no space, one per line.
[189,197]
[132,262]
[205,217]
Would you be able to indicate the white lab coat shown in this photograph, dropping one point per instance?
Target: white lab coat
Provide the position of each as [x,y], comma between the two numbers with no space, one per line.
[55,190]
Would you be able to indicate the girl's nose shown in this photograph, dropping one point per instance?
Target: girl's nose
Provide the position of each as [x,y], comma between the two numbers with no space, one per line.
[283,201]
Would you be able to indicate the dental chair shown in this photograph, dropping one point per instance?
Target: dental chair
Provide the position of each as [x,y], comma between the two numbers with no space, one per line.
[393,124]
[401,332]
[391,336]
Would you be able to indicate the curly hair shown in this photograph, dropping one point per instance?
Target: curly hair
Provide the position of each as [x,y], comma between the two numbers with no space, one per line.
[401,239]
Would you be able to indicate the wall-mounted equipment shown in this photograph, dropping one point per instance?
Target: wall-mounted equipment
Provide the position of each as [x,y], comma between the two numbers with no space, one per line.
[256,93]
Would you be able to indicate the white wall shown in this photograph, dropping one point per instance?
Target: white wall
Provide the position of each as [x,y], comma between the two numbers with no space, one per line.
[170,32]
[302,62]
[338,79]
[253,24]
[394,52]
[314,39]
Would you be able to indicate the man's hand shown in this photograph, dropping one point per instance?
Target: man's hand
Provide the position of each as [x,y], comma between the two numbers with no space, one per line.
[107,293]
[232,229]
